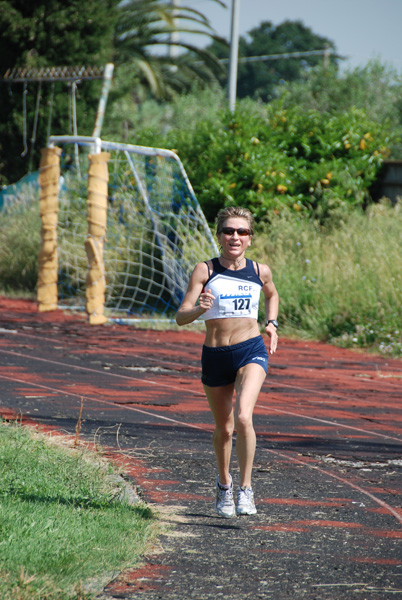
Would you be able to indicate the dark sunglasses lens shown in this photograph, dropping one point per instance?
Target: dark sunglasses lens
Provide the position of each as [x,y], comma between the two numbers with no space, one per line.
[230,231]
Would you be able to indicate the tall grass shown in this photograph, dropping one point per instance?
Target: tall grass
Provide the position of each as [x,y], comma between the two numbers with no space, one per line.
[19,247]
[342,285]
[63,530]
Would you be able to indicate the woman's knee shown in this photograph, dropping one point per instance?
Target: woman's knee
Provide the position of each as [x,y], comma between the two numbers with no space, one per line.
[244,423]
[224,433]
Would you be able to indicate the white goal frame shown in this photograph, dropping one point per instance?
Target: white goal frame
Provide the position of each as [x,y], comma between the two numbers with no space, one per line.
[175,267]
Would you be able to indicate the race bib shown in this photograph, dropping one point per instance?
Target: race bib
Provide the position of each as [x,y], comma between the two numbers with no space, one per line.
[235,305]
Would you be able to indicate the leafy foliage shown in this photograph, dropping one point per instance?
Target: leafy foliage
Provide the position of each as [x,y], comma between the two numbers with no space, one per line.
[145,25]
[324,90]
[327,91]
[272,159]
[315,151]
[260,79]
[40,34]
[53,33]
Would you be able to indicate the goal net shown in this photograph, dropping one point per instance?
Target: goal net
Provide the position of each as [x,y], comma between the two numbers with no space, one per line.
[156,231]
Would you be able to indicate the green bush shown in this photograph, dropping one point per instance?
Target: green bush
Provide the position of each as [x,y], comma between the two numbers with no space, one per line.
[316,150]
[375,88]
[272,159]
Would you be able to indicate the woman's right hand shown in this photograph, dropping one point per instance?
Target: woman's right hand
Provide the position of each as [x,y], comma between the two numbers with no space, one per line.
[195,302]
[206,300]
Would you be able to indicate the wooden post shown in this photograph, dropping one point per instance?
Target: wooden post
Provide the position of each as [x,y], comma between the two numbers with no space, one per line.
[49,175]
[98,177]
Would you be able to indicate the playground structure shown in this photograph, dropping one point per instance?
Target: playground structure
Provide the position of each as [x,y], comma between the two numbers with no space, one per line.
[72,76]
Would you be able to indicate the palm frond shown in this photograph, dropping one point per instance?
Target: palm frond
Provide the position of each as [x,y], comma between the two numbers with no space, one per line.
[147,25]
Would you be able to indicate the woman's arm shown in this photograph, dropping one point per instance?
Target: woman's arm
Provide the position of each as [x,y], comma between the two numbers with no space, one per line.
[271,304]
[189,311]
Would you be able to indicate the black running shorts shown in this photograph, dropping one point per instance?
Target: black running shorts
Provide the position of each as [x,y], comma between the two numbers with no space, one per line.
[220,365]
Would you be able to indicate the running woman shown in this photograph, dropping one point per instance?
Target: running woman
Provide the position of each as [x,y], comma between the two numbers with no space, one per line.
[225,292]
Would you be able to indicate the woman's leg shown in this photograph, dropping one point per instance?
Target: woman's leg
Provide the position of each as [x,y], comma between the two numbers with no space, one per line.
[220,400]
[248,384]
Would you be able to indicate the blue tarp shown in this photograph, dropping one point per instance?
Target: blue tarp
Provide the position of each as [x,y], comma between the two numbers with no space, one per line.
[14,191]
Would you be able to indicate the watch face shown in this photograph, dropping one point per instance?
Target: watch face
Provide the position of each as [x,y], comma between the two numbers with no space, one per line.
[274,323]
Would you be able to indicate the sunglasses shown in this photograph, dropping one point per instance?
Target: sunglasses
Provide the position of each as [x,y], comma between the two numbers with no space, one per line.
[242,231]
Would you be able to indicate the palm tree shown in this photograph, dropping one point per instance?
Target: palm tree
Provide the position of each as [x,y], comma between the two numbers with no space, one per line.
[144,31]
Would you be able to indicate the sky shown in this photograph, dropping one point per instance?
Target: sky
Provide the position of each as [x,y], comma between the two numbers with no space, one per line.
[361,29]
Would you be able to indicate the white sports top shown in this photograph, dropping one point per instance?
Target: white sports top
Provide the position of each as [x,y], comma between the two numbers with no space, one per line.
[237,293]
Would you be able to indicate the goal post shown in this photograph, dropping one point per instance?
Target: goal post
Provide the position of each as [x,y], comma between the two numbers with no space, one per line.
[98,177]
[49,175]
[155,231]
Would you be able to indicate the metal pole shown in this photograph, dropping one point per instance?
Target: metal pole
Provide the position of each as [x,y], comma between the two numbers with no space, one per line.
[234,54]
[107,78]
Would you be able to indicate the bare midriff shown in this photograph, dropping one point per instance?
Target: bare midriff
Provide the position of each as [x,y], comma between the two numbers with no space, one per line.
[226,332]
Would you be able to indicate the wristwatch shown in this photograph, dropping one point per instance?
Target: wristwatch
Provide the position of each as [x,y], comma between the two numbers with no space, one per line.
[274,323]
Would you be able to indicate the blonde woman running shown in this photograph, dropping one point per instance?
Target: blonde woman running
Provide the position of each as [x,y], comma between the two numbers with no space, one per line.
[225,292]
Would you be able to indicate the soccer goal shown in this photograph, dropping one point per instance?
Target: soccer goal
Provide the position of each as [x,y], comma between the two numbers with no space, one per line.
[155,229]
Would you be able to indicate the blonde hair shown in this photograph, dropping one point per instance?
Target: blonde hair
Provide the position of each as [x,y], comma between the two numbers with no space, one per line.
[234,211]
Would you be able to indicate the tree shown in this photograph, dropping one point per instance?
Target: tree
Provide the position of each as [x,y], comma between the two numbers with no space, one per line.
[259,79]
[42,34]
[69,33]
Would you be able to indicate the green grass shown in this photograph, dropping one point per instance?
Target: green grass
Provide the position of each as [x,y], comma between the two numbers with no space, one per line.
[19,247]
[341,285]
[64,530]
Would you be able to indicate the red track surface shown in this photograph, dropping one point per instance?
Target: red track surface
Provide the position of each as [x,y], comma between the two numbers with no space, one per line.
[328,464]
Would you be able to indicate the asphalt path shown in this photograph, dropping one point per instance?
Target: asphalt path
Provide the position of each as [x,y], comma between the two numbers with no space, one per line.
[327,475]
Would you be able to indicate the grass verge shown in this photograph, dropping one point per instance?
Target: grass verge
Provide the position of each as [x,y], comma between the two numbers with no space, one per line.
[64,530]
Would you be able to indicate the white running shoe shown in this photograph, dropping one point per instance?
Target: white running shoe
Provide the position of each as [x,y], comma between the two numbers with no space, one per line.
[245,501]
[224,505]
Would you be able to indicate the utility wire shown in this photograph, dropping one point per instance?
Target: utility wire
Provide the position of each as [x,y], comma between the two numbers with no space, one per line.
[263,57]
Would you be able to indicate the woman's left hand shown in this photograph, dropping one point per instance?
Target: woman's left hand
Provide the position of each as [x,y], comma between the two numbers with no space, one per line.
[270,330]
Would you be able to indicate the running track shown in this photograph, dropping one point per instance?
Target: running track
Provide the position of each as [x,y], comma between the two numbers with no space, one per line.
[328,465]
